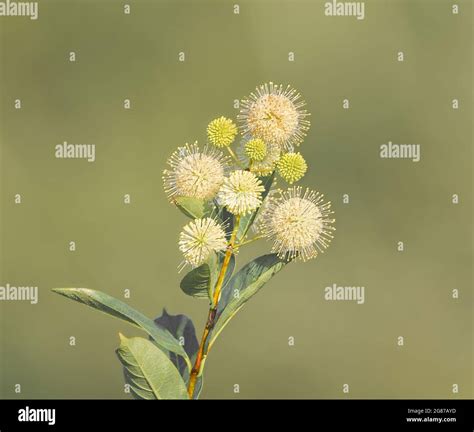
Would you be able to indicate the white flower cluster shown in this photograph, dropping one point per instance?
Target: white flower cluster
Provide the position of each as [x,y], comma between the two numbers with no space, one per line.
[297,221]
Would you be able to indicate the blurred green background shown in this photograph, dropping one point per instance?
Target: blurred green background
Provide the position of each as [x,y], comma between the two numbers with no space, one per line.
[134,246]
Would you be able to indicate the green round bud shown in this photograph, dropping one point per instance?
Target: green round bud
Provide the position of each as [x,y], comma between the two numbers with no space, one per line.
[256,150]
[221,132]
[292,167]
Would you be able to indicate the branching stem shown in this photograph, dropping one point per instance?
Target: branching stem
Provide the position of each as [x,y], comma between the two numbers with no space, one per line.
[236,159]
[196,370]
[248,241]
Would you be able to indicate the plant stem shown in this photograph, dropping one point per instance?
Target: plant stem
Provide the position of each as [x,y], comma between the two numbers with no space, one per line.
[196,370]
[248,241]
[236,159]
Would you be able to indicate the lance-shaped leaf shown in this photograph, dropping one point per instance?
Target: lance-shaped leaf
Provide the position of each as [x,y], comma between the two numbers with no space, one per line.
[243,285]
[195,208]
[111,306]
[148,371]
[182,328]
[247,220]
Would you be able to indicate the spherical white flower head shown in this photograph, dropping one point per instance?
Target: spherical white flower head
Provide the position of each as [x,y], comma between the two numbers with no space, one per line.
[241,192]
[199,239]
[298,223]
[274,114]
[264,167]
[194,172]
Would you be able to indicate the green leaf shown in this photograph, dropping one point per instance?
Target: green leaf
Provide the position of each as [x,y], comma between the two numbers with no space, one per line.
[194,208]
[200,282]
[110,305]
[148,371]
[243,285]
[182,328]
[196,283]
[247,220]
